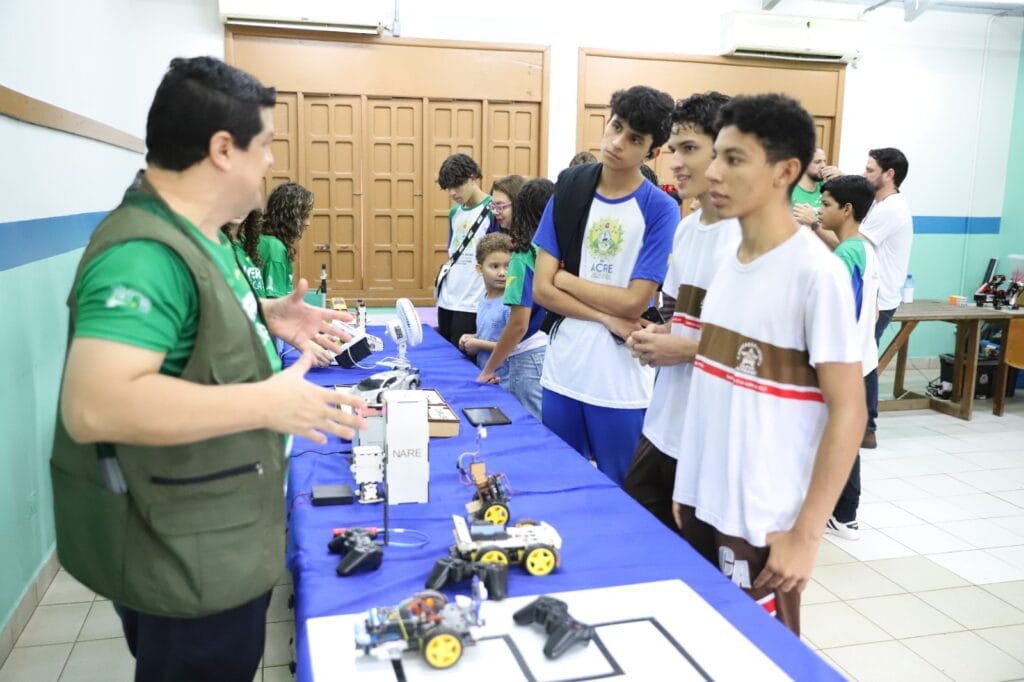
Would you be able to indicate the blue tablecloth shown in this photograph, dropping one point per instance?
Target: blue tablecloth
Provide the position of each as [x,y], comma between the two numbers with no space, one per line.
[608,538]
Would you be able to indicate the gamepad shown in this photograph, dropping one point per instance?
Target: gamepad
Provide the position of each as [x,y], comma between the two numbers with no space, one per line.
[359,549]
[454,570]
[563,630]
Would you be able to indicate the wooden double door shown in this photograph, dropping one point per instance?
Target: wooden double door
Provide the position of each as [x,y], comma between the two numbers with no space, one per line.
[380,220]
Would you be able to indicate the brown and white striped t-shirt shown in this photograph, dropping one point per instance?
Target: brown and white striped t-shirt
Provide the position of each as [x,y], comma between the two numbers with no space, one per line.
[756,414]
[698,251]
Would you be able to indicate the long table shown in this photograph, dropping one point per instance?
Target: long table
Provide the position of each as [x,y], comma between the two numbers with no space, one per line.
[968,321]
[608,538]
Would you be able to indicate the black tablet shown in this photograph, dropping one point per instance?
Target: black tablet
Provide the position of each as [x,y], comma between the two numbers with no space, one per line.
[485,416]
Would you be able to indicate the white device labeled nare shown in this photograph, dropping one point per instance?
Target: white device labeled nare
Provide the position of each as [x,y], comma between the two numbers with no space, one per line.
[406,437]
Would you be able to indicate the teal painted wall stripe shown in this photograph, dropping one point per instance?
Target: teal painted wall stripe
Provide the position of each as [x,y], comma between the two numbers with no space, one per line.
[26,241]
[942,224]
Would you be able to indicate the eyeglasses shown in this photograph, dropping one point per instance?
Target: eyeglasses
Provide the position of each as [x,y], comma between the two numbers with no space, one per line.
[500,205]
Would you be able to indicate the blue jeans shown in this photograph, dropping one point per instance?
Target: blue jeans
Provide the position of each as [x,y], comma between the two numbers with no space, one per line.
[524,379]
[871,380]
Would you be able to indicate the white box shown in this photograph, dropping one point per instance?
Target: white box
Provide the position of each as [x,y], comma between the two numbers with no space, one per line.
[407,437]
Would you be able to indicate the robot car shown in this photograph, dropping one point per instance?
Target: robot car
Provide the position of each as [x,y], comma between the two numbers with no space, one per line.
[534,546]
[372,388]
[425,622]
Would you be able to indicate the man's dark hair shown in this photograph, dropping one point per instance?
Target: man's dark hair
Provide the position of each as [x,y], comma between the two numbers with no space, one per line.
[855,190]
[700,111]
[527,208]
[197,98]
[646,110]
[456,169]
[783,127]
[891,158]
[649,173]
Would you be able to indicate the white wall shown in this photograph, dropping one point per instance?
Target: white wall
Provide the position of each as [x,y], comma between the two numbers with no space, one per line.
[920,86]
[102,59]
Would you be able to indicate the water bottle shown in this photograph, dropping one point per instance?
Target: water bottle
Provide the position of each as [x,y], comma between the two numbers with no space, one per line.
[908,289]
[323,279]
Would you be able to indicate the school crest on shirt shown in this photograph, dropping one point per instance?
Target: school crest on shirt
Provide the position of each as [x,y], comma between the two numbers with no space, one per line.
[605,238]
[748,358]
[461,230]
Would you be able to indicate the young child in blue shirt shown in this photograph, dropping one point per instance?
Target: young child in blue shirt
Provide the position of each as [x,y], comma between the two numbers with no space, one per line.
[493,254]
[522,343]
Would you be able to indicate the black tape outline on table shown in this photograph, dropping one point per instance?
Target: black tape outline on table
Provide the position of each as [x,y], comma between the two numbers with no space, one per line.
[616,668]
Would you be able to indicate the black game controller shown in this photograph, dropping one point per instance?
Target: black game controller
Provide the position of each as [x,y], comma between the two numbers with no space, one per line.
[563,630]
[454,570]
[359,549]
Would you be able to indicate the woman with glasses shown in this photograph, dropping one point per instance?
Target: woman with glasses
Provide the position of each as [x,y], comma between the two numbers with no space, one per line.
[503,193]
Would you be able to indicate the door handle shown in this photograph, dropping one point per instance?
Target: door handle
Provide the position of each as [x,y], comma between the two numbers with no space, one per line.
[321,248]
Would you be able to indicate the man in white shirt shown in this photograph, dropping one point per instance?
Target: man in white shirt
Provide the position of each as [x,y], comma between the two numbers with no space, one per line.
[890,228]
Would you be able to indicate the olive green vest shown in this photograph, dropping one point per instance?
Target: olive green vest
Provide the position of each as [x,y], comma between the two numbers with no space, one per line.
[201,528]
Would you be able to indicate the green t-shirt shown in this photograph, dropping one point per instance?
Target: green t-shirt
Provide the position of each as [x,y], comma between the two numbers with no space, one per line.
[277,269]
[254,274]
[142,294]
[802,196]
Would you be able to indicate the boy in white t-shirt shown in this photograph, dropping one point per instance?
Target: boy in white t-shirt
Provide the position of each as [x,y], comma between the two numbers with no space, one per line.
[845,201]
[702,241]
[776,405]
[468,221]
[603,246]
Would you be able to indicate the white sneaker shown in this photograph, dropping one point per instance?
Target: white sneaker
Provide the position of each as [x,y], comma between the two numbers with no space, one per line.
[847,531]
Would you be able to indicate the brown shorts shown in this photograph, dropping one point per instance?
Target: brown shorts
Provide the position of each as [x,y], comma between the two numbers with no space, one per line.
[741,562]
[650,481]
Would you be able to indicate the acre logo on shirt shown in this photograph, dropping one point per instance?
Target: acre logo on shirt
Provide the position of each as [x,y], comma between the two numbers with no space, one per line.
[749,357]
[604,241]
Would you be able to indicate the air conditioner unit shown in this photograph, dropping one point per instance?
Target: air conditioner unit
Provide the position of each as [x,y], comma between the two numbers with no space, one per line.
[371,17]
[777,36]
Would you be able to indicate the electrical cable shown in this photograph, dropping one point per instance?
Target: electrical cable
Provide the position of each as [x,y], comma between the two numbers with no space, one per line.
[423,538]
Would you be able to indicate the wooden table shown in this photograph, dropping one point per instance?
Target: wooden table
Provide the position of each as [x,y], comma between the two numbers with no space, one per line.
[965,355]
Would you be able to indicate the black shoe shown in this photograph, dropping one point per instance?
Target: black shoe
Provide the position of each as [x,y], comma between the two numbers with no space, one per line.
[869,442]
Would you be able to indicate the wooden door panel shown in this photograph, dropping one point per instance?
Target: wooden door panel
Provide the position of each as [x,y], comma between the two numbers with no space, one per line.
[331,133]
[285,144]
[391,241]
[513,144]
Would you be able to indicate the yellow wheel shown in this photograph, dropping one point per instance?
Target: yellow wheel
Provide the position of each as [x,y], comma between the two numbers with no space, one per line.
[540,560]
[496,514]
[492,555]
[442,649]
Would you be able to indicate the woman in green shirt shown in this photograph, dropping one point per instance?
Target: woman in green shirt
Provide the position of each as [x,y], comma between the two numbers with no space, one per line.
[286,218]
[245,239]
[281,227]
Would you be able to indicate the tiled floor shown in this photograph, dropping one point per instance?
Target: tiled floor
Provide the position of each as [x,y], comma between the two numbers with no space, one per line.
[75,636]
[933,590]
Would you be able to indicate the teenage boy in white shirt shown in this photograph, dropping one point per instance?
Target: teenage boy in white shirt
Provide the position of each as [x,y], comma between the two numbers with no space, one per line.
[603,246]
[776,406]
[468,221]
[702,241]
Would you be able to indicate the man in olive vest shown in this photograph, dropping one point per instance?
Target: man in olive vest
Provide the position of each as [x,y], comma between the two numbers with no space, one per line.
[168,460]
